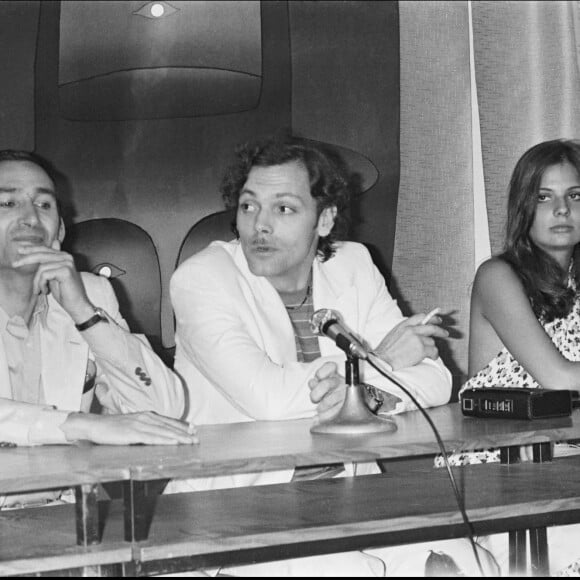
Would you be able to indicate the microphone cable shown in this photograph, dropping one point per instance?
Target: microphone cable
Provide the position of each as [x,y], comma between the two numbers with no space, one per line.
[376,363]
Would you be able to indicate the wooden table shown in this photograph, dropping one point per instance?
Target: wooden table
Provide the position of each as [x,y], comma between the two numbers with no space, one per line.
[268,445]
[251,447]
[40,540]
[271,445]
[415,504]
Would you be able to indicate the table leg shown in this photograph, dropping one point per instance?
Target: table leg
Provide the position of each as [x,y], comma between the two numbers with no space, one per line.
[509,455]
[539,555]
[540,563]
[518,553]
[87,515]
[517,538]
[539,552]
[140,498]
[542,452]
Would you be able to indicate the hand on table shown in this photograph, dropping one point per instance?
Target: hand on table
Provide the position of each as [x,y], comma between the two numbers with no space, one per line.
[327,391]
[147,428]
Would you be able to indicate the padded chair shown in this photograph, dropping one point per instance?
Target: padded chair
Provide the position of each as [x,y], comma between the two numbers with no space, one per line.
[125,253]
[216,226]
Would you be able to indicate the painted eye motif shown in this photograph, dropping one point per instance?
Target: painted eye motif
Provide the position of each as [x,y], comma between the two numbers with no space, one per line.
[156,10]
[109,271]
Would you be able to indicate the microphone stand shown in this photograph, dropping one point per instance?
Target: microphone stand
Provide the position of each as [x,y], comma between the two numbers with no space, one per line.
[355,418]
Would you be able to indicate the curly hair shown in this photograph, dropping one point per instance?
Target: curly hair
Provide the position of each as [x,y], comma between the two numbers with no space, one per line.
[544,280]
[330,183]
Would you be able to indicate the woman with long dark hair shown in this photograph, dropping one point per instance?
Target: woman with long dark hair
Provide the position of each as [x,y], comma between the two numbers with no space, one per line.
[525,306]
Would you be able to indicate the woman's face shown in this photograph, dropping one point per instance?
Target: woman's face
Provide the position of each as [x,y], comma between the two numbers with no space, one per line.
[556,225]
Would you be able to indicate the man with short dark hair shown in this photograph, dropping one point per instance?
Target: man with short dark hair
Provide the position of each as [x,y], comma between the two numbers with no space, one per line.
[61,334]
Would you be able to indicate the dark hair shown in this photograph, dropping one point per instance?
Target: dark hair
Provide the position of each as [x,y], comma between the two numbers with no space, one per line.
[544,280]
[329,178]
[20,155]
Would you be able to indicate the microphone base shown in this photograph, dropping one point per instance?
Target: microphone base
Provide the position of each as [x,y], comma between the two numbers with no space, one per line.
[355,418]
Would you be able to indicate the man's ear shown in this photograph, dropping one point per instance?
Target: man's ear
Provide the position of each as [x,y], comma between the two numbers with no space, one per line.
[326,221]
[61,233]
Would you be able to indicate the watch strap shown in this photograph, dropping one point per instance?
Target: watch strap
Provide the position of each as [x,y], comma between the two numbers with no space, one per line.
[98,316]
[375,397]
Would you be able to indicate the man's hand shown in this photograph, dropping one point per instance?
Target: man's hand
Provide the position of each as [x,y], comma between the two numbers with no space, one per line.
[57,273]
[327,390]
[379,401]
[148,428]
[410,342]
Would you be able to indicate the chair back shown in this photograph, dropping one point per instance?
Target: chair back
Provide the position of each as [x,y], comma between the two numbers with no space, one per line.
[125,253]
[216,226]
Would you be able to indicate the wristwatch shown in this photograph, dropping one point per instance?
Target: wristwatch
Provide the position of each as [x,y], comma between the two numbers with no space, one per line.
[98,316]
[374,397]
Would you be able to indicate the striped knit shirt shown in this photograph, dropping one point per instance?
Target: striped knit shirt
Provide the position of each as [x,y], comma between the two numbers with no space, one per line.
[300,308]
[307,347]
[300,311]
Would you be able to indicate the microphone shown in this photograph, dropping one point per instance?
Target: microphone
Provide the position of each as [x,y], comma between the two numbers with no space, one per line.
[326,322]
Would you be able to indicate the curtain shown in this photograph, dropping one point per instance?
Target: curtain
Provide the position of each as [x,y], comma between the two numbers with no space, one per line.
[470,106]
[528,85]
[433,258]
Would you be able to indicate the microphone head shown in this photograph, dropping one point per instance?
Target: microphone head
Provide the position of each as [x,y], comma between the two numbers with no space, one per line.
[326,322]
[320,318]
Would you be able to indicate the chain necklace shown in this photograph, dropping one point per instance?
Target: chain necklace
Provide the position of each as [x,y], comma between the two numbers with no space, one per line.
[297,306]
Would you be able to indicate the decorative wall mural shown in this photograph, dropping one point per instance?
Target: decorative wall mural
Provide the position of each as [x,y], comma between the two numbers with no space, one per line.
[108,270]
[327,70]
[154,60]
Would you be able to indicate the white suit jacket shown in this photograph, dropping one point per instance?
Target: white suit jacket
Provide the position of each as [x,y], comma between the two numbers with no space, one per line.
[235,345]
[65,354]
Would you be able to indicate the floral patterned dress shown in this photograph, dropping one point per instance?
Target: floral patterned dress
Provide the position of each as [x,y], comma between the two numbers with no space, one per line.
[504,369]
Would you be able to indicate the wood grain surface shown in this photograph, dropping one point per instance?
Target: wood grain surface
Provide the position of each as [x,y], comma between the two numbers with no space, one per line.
[269,445]
[37,540]
[403,505]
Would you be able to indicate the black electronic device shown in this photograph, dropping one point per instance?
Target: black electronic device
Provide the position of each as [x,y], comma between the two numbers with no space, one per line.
[517,403]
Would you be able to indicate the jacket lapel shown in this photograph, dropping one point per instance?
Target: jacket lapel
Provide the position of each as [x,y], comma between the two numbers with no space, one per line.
[64,359]
[274,323]
[5,389]
[330,290]
[333,291]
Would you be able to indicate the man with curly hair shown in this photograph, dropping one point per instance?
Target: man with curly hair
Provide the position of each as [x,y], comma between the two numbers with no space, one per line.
[244,344]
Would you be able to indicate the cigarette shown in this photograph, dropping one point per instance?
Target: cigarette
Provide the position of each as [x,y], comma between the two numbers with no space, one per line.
[430,315]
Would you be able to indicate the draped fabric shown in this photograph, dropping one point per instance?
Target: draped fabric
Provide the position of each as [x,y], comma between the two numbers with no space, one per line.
[434,240]
[463,127]
[528,85]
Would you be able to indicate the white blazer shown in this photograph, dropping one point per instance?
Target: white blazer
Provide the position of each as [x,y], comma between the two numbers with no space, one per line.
[235,343]
[65,354]
[236,350]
